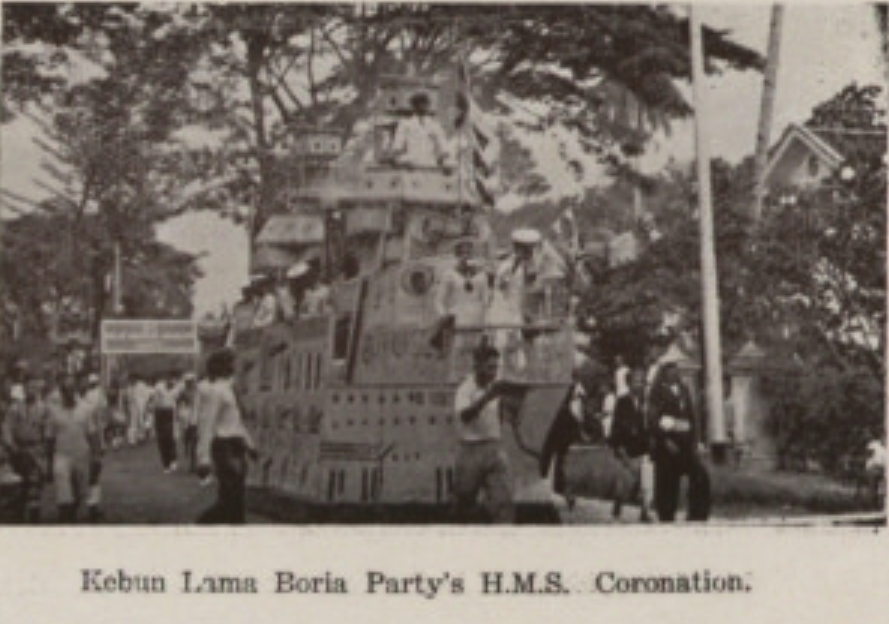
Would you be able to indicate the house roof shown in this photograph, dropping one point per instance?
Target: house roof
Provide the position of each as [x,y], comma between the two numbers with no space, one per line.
[833,146]
[798,133]
[853,144]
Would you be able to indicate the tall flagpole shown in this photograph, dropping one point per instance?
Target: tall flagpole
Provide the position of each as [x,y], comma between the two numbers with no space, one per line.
[716,430]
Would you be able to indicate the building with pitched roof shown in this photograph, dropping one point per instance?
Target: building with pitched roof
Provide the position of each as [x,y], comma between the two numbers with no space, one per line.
[805,156]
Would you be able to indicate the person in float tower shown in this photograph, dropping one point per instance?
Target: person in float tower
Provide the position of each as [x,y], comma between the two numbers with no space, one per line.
[529,265]
[464,292]
[419,140]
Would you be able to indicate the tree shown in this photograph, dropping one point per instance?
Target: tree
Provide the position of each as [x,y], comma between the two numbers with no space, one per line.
[113,165]
[47,291]
[311,65]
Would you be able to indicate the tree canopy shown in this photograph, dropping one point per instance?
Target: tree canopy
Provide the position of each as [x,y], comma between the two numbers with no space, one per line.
[249,73]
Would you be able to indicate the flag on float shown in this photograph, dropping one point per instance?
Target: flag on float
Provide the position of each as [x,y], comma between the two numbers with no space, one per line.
[479,149]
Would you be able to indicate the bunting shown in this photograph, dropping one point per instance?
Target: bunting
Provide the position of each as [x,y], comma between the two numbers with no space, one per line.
[478,156]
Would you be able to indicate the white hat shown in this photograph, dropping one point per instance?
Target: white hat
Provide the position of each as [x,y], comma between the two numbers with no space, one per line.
[17,392]
[93,378]
[297,270]
[526,236]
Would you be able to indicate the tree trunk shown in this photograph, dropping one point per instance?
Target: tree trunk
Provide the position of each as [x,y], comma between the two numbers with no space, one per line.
[256,46]
[769,88]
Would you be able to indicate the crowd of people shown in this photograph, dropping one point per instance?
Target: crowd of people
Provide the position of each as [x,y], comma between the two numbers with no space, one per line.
[298,292]
[58,432]
[644,414]
[55,433]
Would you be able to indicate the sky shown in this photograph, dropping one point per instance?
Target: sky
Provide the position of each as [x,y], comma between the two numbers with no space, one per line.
[824,48]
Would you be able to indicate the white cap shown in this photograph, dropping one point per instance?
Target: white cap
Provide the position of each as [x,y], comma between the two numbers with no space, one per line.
[526,236]
[297,270]
[17,392]
[93,378]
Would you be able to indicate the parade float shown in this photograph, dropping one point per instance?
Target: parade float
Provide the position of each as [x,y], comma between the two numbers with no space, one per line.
[352,405]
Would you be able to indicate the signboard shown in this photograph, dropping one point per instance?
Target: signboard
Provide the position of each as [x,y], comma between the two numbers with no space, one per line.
[149,336]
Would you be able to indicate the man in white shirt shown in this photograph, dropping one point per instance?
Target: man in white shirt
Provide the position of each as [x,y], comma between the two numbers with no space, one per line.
[481,462]
[462,298]
[464,292]
[223,439]
[419,140]
[95,401]
[514,275]
[163,404]
[621,377]
[141,396]
[267,305]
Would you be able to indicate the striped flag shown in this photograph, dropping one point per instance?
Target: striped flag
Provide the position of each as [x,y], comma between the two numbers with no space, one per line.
[479,149]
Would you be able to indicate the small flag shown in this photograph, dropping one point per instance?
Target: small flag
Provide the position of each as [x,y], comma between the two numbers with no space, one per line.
[479,151]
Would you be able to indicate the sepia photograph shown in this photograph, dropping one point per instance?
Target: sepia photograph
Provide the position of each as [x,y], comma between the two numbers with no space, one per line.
[443,264]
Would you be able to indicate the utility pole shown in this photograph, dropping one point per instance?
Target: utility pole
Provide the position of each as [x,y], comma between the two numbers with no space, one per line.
[716,428]
[769,89]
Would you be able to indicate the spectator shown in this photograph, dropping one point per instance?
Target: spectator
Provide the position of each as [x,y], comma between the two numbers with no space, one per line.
[629,439]
[24,438]
[224,440]
[163,405]
[621,377]
[566,430]
[676,448]
[93,400]
[74,436]
[189,419]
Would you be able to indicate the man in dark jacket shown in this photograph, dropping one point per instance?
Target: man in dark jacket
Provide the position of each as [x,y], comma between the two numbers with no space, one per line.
[630,441]
[674,433]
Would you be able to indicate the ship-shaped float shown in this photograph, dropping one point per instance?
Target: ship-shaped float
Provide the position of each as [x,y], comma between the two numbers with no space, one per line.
[353,406]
